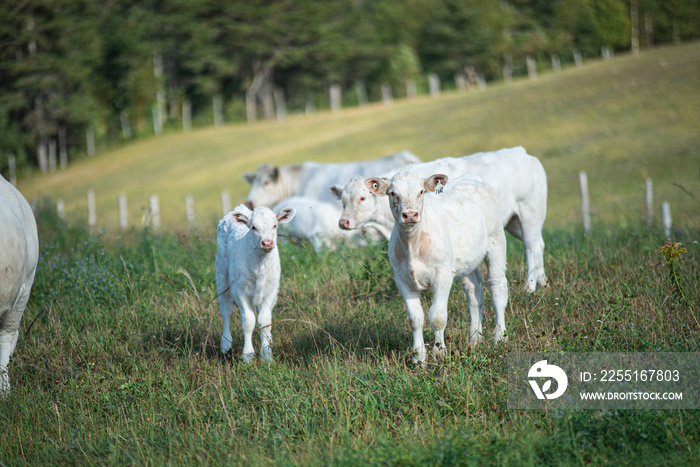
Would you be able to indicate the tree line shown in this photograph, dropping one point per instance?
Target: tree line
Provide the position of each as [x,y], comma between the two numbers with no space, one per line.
[76,71]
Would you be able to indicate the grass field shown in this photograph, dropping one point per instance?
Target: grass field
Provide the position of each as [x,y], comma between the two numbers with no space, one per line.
[621,120]
[118,359]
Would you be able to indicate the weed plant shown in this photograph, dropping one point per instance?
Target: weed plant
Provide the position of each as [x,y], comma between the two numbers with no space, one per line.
[118,359]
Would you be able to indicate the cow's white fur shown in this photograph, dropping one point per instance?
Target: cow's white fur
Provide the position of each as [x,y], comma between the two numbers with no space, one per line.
[248,273]
[316,220]
[270,185]
[439,237]
[517,178]
[19,253]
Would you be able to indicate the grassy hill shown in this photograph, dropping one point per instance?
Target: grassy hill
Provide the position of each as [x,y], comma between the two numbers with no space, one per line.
[621,120]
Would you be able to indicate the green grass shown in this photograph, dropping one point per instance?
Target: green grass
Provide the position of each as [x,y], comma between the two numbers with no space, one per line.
[118,359]
[621,120]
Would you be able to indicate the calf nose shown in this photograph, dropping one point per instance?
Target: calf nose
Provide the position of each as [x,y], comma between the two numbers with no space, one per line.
[344,224]
[409,217]
[249,205]
[267,244]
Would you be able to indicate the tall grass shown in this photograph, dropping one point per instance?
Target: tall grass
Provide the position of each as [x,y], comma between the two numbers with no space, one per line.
[118,359]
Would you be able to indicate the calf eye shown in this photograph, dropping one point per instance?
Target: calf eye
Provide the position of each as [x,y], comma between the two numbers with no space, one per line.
[254,228]
[362,199]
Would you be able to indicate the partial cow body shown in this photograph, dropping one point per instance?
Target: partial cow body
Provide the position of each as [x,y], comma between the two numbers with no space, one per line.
[19,253]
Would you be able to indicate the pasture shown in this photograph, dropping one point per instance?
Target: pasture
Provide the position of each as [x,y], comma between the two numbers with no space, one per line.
[118,359]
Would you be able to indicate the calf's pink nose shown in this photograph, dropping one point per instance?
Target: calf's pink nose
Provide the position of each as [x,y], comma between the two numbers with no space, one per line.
[267,244]
[344,224]
[409,217]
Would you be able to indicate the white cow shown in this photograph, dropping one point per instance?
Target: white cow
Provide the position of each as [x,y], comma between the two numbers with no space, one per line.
[517,178]
[270,185]
[19,253]
[316,220]
[248,273]
[439,237]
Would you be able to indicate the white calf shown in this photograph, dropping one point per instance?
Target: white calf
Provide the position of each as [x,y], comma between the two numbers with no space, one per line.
[19,253]
[248,273]
[440,236]
[316,220]
[517,178]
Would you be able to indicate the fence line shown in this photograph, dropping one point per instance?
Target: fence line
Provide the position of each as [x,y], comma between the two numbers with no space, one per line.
[152,216]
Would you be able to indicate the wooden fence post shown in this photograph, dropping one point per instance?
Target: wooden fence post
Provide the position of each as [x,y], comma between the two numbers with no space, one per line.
[52,155]
[577,58]
[335,97]
[434,82]
[155,212]
[43,158]
[123,213]
[186,116]
[387,97]
[650,199]
[361,93]
[225,202]
[61,209]
[280,104]
[126,127]
[92,215]
[411,90]
[63,148]
[556,63]
[531,67]
[666,216]
[585,210]
[189,208]
[218,112]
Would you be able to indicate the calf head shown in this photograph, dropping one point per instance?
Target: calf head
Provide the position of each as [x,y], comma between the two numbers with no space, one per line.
[265,186]
[263,225]
[405,190]
[359,203]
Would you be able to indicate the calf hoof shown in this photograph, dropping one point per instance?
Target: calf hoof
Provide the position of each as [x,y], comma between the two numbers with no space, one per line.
[439,350]
[248,357]
[419,354]
[266,354]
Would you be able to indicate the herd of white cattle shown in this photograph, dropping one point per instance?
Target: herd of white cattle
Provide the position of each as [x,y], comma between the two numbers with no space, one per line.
[442,219]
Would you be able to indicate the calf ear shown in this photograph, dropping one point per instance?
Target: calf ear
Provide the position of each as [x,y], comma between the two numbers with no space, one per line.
[336,191]
[249,177]
[432,182]
[240,218]
[377,185]
[286,215]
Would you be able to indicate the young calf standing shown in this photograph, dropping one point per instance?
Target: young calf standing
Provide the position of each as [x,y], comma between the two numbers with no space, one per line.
[248,273]
[437,236]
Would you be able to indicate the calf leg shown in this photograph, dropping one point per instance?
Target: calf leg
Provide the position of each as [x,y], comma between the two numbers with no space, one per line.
[8,341]
[226,309]
[416,319]
[498,284]
[438,312]
[245,309]
[265,325]
[473,286]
